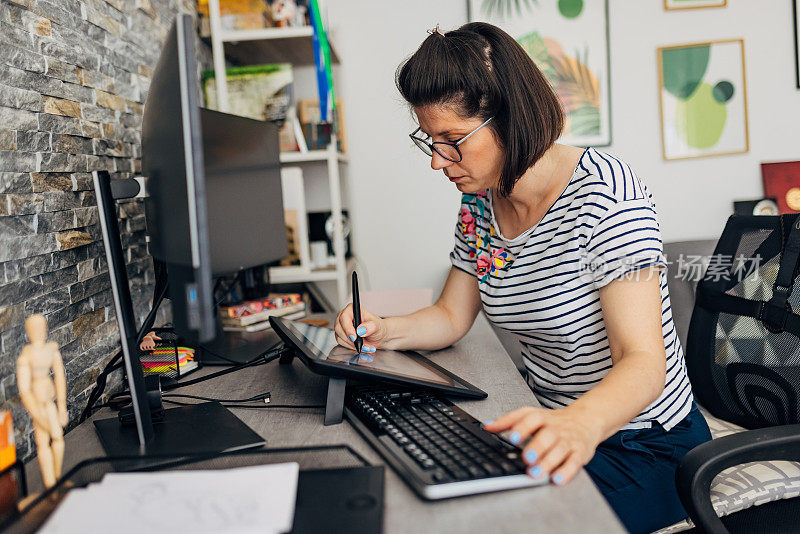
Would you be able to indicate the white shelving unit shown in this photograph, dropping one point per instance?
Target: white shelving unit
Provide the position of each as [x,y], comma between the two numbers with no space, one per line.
[284,45]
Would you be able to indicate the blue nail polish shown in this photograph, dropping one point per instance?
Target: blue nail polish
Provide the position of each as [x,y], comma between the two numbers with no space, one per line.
[489,422]
[535,471]
[361,330]
[373,349]
[514,437]
[352,337]
[530,456]
[558,479]
[372,358]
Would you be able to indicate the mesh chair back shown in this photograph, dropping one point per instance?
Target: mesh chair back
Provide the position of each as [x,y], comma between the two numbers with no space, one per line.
[743,350]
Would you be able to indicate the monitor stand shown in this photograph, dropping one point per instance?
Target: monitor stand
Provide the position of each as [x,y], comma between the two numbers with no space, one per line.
[207,427]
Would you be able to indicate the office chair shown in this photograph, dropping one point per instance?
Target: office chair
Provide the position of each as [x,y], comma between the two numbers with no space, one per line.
[745,372]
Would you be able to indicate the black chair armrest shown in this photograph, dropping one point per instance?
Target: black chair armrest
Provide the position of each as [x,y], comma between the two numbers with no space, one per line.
[700,465]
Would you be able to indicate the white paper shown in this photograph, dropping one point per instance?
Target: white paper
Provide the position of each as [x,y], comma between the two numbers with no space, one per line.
[243,500]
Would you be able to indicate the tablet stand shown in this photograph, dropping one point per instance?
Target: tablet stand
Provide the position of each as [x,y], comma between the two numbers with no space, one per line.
[334,403]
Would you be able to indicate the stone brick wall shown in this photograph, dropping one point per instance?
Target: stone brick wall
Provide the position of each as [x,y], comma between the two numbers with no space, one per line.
[74,76]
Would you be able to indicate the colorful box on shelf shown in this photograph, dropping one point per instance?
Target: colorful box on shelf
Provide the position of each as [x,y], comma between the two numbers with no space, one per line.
[163,360]
[250,308]
[254,14]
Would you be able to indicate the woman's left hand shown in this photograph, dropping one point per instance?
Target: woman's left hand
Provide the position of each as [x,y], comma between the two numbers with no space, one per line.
[560,442]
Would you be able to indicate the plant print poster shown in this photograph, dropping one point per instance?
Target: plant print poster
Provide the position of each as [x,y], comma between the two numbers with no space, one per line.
[703,99]
[568,40]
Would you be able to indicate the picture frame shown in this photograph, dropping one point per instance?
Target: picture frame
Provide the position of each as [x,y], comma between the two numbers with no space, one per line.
[569,42]
[703,99]
[782,181]
[679,5]
[796,20]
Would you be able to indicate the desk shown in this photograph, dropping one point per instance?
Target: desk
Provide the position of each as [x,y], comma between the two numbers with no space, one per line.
[479,358]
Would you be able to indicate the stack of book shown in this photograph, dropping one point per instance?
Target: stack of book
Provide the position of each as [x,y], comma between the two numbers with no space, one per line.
[253,315]
[162,360]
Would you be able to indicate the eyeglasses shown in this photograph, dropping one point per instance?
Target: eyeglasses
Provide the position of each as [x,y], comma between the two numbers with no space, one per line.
[448,151]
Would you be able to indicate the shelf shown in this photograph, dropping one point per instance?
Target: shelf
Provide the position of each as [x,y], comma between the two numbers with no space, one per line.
[271,45]
[288,275]
[311,155]
[292,45]
[292,274]
[230,36]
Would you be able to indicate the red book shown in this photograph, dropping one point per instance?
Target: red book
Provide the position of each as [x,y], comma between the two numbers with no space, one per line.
[782,181]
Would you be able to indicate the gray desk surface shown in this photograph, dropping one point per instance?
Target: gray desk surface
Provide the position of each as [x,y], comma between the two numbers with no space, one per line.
[479,358]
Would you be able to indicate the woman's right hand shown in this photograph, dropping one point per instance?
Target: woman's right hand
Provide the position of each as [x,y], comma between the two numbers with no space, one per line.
[372,330]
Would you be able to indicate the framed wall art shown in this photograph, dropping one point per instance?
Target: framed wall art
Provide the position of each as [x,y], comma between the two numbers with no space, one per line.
[568,40]
[671,5]
[703,99]
[796,19]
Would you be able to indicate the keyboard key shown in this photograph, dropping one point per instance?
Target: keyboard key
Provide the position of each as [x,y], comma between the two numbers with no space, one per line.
[508,468]
[459,474]
[440,475]
[476,471]
[492,469]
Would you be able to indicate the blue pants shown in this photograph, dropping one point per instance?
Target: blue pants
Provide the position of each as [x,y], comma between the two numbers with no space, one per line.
[635,471]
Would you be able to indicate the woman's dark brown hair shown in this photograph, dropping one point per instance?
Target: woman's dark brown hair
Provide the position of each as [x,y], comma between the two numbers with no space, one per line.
[483,72]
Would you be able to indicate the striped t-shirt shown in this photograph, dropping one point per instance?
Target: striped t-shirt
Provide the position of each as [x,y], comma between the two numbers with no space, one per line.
[543,285]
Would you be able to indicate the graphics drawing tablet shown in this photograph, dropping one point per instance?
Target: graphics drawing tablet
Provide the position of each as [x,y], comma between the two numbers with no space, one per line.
[318,350]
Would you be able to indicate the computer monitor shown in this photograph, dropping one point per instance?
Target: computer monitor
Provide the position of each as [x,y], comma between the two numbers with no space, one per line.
[214,207]
[243,188]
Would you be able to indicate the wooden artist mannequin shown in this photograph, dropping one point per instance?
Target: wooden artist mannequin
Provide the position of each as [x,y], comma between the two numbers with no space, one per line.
[44,396]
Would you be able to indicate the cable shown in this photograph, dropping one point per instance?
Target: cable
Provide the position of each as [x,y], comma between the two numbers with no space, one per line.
[100,385]
[258,406]
[159,292]
[227,289]
[122,398]
[276,406]
[260,397]
[254,359]
[261,360]
[196,458]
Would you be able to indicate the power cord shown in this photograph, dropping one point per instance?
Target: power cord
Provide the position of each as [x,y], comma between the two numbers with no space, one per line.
[121,399]
[260,397]
[159,293]
[234,362]
[262,359]
[257,406]
[218,301]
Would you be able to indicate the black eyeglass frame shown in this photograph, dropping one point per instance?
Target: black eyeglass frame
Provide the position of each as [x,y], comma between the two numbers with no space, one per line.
[432,146]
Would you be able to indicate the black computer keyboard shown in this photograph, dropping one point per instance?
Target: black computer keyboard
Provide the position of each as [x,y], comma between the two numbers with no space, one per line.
[440,450]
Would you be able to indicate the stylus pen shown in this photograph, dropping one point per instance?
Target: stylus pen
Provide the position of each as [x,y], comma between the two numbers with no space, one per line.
[356,313]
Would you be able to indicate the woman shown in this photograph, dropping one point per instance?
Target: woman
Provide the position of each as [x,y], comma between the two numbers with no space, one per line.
[561,247]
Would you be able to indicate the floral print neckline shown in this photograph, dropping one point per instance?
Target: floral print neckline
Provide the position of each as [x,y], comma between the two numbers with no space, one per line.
[490,261]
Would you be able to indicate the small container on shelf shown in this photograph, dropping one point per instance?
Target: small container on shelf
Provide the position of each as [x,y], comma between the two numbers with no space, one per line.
[171,358]
[254,14]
